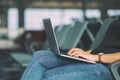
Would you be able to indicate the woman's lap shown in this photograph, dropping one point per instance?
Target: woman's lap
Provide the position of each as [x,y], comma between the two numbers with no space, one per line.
[62,67]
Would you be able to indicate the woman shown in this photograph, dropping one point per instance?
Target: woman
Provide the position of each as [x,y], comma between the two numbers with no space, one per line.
[45,60]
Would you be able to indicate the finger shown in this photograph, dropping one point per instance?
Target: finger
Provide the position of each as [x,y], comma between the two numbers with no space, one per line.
[73,49]
[74,53]
[77,55]
[70,51]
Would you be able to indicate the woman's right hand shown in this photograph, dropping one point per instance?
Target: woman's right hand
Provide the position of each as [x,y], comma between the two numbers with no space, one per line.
[79,53]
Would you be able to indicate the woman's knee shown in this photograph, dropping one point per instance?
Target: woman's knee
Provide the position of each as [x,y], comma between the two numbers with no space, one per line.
[42,53]
[44,56]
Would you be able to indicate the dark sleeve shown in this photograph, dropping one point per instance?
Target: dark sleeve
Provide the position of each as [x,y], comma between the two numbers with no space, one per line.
[111,41]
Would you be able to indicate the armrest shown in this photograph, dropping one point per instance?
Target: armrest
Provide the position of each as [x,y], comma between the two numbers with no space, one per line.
[114,69]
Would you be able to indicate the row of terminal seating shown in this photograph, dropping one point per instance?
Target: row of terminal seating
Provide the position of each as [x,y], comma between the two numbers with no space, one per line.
[79,34]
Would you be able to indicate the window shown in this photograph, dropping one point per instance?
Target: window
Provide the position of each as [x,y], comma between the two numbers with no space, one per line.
[93,13]
[34,16]
[12,22]
[112,12]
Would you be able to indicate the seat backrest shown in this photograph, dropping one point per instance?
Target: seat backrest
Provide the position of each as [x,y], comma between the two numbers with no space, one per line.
[89,35]
[115,69]
[100,35]
[73,36]
[94,27]
[62,33]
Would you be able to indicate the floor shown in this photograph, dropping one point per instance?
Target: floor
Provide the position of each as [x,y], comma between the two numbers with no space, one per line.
[10,66]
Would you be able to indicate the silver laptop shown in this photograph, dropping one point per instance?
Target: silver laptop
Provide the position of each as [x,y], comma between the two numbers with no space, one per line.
[53,41]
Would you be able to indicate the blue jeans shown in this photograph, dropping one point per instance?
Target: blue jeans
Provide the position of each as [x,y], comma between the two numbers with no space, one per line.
[46,65]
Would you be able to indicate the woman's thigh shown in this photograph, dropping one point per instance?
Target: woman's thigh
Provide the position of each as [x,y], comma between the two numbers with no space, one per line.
[79,71]
[68,66]
[50,60]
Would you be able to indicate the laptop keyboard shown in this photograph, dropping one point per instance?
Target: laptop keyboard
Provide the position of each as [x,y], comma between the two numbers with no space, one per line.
[64,51]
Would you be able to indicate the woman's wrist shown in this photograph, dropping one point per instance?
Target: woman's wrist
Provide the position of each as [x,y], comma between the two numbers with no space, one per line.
[96,58]
[100,57]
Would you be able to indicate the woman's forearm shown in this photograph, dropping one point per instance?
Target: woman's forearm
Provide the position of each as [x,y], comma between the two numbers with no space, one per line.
[110,58]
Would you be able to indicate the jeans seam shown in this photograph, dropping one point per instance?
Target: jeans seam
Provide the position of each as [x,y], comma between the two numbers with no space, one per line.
[59,74]
[65,73]
[29,71]
[62,74]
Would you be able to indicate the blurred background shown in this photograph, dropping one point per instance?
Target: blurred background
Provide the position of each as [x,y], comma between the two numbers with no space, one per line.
[21,25]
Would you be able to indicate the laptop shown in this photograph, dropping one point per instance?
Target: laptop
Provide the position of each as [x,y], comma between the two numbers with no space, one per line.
[53,43]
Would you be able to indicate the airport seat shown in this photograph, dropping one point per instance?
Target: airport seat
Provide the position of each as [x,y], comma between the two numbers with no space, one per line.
[100,35]
[94,26]
[72,37]
[115,70]
[89,34]
[61,34]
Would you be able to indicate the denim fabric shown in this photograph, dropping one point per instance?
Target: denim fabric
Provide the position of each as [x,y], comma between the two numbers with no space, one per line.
[46,65]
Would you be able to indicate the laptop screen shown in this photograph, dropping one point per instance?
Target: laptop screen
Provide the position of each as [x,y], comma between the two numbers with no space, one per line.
[51,35]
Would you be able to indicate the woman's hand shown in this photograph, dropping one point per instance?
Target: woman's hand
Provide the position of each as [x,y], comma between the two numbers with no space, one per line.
[79,53]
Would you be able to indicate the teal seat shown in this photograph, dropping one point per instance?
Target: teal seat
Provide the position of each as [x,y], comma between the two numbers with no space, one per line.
[73,35]
[115,70]
[100,35]
[62,33]
[89,35]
